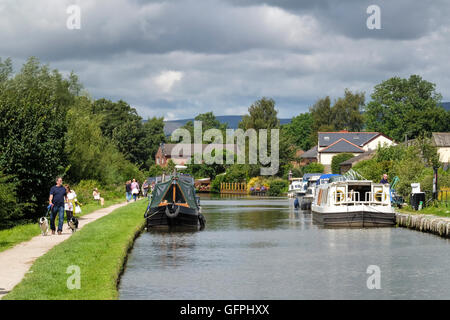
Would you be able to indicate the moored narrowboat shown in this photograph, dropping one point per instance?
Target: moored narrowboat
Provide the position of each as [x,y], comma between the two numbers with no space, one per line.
[174,204]
[353,203]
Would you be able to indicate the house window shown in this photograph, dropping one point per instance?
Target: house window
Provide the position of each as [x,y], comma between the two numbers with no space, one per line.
[326,138]
[157,160]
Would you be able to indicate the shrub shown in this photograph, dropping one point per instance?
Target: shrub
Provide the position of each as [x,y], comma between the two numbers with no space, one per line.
[10,213]
[215,184]
[313,167]
[338,159]
[277,187]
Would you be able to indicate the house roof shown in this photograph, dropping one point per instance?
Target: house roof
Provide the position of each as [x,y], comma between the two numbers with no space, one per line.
[359,157]
[187,150]
[311,153]
[357,138]
[342,145]
[441,139]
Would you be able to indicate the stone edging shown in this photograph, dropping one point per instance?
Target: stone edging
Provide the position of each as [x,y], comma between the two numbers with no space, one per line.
[424,223]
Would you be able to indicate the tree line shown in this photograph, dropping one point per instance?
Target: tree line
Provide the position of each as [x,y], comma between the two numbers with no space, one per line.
[50,126]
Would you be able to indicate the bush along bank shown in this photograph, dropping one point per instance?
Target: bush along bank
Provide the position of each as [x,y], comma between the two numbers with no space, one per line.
[99,250]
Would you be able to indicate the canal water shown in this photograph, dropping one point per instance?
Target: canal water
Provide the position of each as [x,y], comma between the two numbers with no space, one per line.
[261,248]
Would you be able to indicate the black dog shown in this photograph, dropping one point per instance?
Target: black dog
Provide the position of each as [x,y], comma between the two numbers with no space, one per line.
[73,224]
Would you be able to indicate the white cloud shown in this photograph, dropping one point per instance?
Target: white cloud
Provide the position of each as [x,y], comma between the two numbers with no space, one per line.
[166,79]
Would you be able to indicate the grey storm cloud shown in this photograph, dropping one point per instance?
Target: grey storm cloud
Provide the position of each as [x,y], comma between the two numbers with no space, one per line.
[181,57]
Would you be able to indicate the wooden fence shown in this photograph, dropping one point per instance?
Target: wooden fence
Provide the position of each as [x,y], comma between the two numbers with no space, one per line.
[233,187]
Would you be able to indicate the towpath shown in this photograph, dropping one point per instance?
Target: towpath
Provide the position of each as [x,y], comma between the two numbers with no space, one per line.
[16,262]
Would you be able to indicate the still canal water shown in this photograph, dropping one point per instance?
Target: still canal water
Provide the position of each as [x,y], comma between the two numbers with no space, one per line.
[264,249]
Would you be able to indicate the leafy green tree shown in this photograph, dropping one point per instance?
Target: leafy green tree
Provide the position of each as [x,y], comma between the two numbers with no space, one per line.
[338,159]
[410,107]
[322,116]
[153,135]
[298,132]
[209,121]
[262,115]
[347,112]
[33,106]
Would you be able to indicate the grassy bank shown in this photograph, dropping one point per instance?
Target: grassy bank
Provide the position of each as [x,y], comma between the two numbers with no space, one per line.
[10,237]
[99,249]
[439,211]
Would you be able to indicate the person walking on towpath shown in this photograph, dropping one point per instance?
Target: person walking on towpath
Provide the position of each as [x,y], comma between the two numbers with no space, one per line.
[128,190]
[58,195]
[135,189]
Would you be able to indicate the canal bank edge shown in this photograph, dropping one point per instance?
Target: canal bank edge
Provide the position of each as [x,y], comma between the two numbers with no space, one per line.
[425,223]
[100,250]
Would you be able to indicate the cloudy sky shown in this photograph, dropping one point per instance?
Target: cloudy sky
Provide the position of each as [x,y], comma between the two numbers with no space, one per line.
[178,58]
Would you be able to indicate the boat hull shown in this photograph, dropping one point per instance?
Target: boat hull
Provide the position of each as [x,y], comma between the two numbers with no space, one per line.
[359,216]
[186,217]
[305,203]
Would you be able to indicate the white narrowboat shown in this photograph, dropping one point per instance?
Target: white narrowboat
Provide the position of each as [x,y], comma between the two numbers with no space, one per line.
[353,203]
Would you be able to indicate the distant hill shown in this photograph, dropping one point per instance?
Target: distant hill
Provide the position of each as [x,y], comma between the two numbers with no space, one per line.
[446,105]
[232,121]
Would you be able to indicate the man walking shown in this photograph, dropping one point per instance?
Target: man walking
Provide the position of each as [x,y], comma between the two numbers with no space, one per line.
[58,195]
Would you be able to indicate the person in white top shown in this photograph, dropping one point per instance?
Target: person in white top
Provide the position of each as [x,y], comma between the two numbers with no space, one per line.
[69,203]
[97,197]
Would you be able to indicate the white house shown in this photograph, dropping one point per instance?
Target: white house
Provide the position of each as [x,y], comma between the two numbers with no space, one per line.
[333,143]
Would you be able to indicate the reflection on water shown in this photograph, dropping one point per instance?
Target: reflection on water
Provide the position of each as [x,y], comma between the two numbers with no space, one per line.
[265,249]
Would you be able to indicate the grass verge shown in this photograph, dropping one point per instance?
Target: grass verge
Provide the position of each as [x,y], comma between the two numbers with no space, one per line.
[439,211]
[99,250]
[10,237]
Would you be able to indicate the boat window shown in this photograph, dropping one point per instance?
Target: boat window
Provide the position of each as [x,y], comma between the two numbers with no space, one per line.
[179,198]
[363,191]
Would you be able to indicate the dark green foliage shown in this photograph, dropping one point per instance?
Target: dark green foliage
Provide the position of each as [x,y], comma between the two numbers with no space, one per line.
[137,141]
[411,164]
[345,114]
[33,107]
[10,209]
[299,131]
[262,115]
[338,159]
[313,167]
[209,121]
[410,107]
[277,187]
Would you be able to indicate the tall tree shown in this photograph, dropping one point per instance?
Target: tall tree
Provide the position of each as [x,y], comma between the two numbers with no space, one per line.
[262,115]
[299,131]
[209,121]
[402,107]
[347,112]
[33,106]
[153,136]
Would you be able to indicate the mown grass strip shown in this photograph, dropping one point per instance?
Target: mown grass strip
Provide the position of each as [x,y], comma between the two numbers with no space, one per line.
[99,250]
[10,237]
[441,211]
